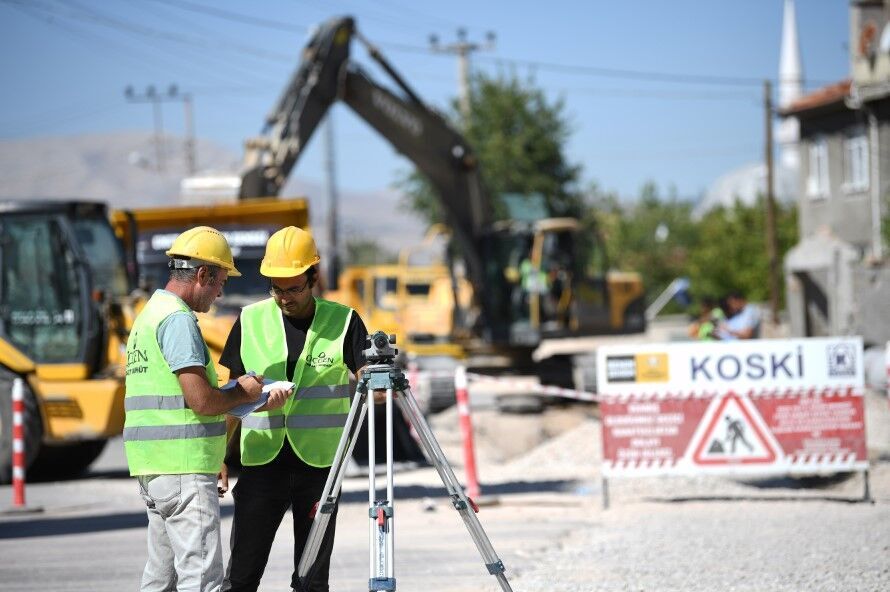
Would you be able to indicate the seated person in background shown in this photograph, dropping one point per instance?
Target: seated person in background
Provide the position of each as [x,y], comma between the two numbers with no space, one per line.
[743,319]
[709,317]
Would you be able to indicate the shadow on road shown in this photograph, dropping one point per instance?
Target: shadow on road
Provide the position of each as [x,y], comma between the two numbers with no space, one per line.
[810,482]
[45,526]
[402,492]
[760,498]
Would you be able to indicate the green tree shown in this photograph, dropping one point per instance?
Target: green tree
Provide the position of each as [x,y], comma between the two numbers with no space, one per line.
[653,236]
[731,254]
[723,251]
[518,137]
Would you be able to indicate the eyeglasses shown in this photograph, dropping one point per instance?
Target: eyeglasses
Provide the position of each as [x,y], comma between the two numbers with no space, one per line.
[281,292]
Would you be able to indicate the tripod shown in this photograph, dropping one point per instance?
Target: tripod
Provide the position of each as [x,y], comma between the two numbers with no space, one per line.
[383,375]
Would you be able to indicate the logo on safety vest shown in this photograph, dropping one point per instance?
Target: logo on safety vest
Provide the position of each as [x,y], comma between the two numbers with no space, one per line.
[137,361]
[319,361]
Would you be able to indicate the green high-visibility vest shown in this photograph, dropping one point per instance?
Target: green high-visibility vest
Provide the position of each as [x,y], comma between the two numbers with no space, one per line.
[313,418]
[162,436]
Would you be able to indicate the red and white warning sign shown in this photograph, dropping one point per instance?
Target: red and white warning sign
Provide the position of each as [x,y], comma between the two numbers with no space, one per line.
[709,408]
[732,432]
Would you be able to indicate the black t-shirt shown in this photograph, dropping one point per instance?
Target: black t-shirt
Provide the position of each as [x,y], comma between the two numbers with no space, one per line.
[295,331]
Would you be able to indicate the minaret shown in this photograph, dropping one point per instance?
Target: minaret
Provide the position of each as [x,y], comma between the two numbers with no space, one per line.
[790,89]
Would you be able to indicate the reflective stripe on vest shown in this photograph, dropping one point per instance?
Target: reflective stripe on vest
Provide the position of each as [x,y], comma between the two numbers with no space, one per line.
[314,417]
[255,421]
[162,435]
[180,432]
[337,391]
[143,402]
[317,421]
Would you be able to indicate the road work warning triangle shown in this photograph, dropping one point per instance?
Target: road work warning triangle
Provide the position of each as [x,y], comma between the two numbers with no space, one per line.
[734,435]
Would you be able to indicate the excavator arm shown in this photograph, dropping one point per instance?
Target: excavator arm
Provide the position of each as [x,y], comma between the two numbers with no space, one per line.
[438,151]
[308,95]
[325,75]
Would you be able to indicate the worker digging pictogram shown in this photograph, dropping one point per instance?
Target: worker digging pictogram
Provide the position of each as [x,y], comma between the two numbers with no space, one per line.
[735,433]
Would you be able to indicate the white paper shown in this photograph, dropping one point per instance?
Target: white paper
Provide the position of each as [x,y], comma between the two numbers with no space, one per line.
[242,411]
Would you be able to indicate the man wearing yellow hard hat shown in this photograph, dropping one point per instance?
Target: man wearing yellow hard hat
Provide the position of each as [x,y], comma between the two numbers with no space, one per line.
[286,453]
[175,431]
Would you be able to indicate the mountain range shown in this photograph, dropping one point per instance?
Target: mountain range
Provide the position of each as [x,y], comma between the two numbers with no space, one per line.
[120,169]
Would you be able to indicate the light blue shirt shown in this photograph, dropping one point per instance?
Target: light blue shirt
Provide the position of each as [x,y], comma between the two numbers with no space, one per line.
[180,339]
[747,318]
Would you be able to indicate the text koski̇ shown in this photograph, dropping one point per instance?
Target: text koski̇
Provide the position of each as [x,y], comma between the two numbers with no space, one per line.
[754,366]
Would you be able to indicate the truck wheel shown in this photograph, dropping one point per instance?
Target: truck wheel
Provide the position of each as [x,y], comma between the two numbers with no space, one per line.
[65,461]
[32,423]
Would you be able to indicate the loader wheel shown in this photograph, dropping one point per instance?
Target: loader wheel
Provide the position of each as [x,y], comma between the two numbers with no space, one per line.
[32,423]
[65,461]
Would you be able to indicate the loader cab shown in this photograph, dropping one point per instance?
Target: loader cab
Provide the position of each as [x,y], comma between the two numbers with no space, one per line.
[60,263]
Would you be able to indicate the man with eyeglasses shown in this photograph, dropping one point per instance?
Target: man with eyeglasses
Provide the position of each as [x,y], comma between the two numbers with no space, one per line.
[286,453]
[174,431]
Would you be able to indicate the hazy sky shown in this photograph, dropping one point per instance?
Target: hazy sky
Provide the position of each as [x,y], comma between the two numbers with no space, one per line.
[65,64]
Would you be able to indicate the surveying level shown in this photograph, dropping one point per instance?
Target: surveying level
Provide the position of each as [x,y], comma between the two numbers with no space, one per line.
[383,375]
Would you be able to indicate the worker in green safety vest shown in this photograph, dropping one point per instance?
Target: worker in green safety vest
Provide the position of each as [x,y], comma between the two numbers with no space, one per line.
[286,453]
[174,431]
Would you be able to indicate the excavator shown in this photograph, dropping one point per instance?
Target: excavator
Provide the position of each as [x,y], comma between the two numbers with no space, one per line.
[527,278]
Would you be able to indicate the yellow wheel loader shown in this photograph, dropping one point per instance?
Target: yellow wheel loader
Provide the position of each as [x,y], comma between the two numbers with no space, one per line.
[65,310]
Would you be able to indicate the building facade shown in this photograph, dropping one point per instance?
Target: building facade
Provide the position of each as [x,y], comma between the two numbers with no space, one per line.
[836,274]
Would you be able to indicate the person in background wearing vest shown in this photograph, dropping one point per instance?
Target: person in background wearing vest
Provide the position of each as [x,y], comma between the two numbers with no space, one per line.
[175,431]
[286,454]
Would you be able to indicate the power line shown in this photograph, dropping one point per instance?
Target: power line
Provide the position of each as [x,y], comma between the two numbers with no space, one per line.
[52,16]
[639,93]
[237,17]
[643,75]
[402,8]
[630,74]
[226,44]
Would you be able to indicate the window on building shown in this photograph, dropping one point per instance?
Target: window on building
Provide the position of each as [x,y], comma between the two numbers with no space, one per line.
[856,161]
[817,179]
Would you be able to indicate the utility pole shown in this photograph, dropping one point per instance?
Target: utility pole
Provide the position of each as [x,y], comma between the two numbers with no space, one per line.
[462,48]
[191,164]
[333,207]
[772,240]
[151,95]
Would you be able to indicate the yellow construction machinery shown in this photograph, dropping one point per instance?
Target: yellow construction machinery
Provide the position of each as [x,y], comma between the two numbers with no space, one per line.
[65,311]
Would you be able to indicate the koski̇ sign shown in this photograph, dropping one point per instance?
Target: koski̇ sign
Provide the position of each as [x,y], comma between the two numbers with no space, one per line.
[764,407]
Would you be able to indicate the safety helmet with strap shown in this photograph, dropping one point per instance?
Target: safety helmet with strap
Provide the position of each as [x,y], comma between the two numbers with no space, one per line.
[207,245]
[289,253]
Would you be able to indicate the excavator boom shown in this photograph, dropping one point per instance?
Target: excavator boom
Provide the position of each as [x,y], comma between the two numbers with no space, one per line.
[325,75]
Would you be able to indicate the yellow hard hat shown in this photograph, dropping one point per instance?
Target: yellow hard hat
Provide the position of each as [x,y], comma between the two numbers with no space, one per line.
[289,252]
[207,245]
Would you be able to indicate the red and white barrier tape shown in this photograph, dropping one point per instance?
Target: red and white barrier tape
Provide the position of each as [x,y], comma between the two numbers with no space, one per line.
[525,386]
[537,389]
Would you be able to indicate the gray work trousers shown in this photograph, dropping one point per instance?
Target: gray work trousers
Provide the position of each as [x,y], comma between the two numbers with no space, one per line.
[184,548]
